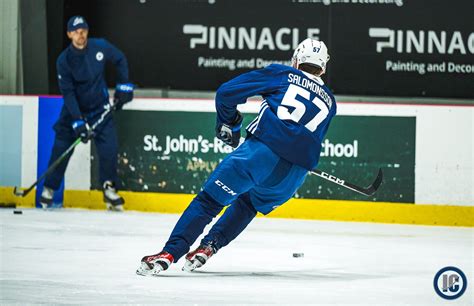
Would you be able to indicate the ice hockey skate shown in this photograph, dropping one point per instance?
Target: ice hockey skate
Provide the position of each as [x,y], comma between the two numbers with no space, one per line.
[112,200]
[198,257]
[46,199]
[151,265]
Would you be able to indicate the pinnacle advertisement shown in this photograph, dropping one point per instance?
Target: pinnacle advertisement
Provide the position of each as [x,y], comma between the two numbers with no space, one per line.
[171,151]
[377,47]
[414,49]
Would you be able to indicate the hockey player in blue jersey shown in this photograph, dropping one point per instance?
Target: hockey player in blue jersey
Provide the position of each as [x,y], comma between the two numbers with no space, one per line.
[81,69]
[283,143]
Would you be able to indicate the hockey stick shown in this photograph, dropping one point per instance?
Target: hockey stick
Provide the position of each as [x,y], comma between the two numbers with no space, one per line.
[367,191]
[22,193]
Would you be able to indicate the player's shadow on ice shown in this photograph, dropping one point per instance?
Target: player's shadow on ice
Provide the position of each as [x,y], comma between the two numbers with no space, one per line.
[291,274]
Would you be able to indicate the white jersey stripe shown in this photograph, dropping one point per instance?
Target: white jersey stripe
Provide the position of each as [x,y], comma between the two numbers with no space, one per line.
[254,127]
[252,124]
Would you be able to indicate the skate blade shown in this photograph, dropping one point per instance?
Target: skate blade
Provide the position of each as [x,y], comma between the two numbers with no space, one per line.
[190,266]
[50,207]
[114,207]
[144,270]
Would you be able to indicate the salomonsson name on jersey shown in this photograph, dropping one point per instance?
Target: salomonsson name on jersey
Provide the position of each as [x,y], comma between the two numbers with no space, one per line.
[294,116]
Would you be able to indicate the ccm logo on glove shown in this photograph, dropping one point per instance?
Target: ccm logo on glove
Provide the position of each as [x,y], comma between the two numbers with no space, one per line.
[123,94]
[125,87]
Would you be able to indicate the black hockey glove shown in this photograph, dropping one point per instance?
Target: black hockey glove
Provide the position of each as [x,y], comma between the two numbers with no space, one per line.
[82,129]
[123,94]
[230,133]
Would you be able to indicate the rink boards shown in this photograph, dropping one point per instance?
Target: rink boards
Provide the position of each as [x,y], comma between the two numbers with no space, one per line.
[436,168]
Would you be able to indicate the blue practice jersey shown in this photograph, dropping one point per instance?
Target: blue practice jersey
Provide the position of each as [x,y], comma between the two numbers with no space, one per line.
[81,76]
[294,115]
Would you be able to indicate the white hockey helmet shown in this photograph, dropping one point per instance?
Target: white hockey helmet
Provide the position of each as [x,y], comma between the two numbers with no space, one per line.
[311,51]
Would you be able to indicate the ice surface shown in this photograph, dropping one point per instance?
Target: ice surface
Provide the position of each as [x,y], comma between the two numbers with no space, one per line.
[90,257]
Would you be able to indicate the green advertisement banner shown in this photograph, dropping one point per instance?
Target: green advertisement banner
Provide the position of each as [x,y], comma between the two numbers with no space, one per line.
[164,151]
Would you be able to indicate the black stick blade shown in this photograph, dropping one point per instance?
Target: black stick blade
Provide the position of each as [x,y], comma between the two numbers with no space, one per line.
[18,192]
[378,180]
[370,190]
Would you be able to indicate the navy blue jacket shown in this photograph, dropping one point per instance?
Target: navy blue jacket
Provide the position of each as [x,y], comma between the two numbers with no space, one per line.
[294,115]
[81,77]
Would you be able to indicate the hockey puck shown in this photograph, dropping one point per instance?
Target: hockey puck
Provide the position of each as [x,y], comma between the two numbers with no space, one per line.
[17,212]
[296,255]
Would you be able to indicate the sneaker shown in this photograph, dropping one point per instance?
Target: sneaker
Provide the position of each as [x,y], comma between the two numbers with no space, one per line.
[46,199]
[198,257]
[112,200]
[151,265]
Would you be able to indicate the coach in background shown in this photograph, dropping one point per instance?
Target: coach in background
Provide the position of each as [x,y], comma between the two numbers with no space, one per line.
[81,69]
